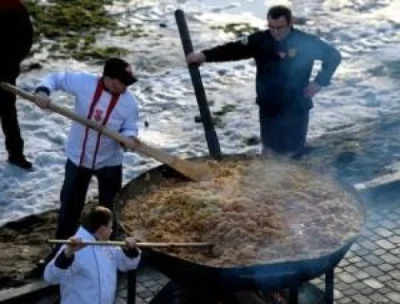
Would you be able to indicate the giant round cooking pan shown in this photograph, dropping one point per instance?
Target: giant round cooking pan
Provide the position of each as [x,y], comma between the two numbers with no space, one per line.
[263,274]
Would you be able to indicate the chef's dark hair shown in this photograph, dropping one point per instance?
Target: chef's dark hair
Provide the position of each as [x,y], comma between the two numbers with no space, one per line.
[98,216]
[277,11]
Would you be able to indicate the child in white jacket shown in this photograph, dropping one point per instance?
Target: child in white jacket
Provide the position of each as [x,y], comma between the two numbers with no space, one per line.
[88,274]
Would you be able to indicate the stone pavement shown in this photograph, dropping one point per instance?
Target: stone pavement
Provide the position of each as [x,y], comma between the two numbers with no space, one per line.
[369,273]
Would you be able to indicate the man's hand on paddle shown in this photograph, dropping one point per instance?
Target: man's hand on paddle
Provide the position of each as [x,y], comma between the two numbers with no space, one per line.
[195,57]
[130,243]
[74,246]
[42,100]
[131,143]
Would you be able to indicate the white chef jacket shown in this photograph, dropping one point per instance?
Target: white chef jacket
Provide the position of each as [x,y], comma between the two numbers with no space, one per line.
[92,277]
[86,147]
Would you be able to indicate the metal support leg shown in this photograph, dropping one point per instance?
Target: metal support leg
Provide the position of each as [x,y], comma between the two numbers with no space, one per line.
[329,286]
[294,295]
[131,298]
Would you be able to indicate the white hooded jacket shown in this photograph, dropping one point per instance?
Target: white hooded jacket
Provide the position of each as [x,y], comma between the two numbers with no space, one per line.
[86,147]
[92,277]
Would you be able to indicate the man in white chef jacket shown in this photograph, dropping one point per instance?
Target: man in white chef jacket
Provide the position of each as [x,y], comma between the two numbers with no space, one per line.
[106,100]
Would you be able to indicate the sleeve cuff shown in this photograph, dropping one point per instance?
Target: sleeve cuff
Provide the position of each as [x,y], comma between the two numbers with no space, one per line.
[322,81]
[206,54]
[42,89]
[131,253]
[129,133]
[62,261]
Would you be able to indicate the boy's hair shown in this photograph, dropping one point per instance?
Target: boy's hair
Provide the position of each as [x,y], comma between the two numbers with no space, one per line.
[98,216]
[277,11]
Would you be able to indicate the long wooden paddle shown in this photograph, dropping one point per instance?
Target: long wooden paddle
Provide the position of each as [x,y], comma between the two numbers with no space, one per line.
[195,172]
[139,244]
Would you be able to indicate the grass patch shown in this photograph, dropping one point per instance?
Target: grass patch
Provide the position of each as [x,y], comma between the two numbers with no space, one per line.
[238,29]
[69,28]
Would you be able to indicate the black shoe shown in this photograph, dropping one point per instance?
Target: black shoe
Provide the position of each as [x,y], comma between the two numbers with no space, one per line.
[21,162]
[298,155]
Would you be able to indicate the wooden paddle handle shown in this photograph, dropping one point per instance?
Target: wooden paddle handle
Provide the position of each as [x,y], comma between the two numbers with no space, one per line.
[67,113]
[185,167]
[142,245]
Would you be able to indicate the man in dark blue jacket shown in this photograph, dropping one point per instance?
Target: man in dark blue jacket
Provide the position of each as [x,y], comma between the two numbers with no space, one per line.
[284,58]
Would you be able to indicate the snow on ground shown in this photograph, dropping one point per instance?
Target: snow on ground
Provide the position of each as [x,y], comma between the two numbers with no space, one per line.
[365,88]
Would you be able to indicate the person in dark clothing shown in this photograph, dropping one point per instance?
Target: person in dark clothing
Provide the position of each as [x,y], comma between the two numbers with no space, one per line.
[16,32]
[284,58]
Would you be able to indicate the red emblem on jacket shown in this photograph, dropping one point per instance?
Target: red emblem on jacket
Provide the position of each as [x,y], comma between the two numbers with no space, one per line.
[98,115]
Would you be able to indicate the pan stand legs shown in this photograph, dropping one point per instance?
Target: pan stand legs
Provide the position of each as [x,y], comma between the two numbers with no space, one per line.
[131,297]
[329,286]
[294,295]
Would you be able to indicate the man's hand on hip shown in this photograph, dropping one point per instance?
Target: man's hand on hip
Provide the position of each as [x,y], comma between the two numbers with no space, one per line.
[312,89]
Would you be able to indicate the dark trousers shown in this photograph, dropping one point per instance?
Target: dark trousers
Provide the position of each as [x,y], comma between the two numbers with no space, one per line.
[9,123]
[16,34]
[284,133]
[73,194]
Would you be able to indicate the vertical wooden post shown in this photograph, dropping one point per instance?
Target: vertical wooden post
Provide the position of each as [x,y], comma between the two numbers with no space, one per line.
[211,135]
